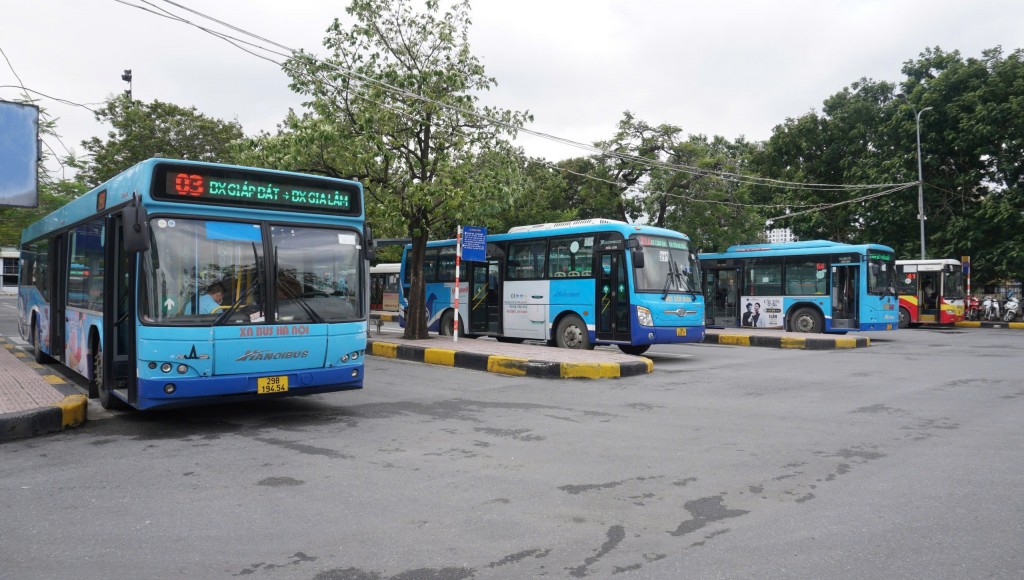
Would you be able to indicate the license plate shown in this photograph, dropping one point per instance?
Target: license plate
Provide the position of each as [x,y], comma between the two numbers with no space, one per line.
[266,385]
[680,332]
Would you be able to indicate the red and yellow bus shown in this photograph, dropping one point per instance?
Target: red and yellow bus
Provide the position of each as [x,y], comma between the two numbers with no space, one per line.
[931,291]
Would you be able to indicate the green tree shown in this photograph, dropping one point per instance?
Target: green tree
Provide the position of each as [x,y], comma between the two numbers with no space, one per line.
[143,130]
[395,105]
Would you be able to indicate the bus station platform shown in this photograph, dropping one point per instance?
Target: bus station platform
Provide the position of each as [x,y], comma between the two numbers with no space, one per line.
[34,400]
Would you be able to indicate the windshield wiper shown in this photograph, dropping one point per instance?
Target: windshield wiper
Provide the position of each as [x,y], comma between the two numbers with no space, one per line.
[245,295]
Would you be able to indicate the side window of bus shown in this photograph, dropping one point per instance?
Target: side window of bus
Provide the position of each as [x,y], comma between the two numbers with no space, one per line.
[526,260]
[765,277]
[806,276]
[571,257]
[85,281]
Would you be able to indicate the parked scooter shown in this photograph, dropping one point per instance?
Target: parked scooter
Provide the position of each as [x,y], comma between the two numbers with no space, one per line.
[972,308]
[1011,309]
[990,308]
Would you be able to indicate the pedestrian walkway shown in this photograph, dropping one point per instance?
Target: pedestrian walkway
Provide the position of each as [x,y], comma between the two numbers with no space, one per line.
[34,400]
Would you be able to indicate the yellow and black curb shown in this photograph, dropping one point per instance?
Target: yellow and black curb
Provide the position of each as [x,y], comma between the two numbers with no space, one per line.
[506,365]
[990,324]
[808,343]
[66,413]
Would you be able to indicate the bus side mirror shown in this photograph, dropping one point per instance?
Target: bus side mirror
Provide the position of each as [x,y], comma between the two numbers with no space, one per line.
[135,219]
[369,245]
[638,258]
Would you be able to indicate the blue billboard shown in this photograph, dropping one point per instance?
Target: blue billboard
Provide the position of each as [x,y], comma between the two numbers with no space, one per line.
[19,154]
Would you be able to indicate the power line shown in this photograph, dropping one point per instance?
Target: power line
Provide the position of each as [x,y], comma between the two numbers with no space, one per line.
[356,77]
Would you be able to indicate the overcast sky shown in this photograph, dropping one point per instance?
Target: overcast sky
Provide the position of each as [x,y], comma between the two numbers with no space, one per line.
[727,68]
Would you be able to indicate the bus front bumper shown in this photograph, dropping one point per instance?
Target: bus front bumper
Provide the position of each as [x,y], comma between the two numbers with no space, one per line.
[185,391]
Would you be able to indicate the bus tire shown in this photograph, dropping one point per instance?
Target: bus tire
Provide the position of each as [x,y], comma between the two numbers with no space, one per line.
[107,398]
[634,349]
[571,332]
[904,318]
[807,320]
[447,326]
[37,349]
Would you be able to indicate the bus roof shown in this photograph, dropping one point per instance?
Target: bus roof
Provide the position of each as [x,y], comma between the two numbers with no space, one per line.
[573,227]
[793,249]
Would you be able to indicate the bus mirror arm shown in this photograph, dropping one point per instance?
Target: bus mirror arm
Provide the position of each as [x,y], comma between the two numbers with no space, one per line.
[136,227]
[369,245]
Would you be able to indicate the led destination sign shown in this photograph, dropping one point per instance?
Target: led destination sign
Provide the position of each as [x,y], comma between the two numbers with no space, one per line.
[200,184]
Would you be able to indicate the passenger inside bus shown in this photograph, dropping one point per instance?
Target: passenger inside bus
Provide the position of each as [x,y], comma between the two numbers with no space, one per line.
[928,291]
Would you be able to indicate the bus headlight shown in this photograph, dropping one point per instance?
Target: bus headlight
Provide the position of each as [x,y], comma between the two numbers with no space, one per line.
[643,316]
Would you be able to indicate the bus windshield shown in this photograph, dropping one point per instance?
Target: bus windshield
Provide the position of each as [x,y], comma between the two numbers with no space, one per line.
[206,272]
[669,266]
[881,274]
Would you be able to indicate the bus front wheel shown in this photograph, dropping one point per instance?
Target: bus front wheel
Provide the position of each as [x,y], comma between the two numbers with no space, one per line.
[107,398]
[37,347]
[447,326]
[806,320]
[634,349]
[572,333]
[904,318]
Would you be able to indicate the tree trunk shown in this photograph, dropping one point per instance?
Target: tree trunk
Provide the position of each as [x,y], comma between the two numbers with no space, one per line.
[416,315]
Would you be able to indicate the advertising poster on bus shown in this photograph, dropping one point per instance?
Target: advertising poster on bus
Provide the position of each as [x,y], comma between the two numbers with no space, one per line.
[761,311]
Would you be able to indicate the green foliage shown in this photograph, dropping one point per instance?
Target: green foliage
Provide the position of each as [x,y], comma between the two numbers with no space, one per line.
[143,130]
[972,147]
[395,105]
[53,194]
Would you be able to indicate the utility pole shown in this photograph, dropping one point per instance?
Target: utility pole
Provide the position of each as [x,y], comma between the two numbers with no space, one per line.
[920,172]
[127,77]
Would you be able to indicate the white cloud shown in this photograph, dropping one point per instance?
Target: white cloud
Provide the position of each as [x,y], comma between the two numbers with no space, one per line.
[730,68]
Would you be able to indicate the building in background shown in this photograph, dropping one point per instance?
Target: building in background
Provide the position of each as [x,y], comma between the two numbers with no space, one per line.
[780,236]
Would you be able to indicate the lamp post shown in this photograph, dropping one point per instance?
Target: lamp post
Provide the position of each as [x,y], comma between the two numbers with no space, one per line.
[920,171]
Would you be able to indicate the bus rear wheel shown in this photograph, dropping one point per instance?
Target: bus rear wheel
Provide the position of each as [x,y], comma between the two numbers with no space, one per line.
[634,349]
[806,320]
[571,332]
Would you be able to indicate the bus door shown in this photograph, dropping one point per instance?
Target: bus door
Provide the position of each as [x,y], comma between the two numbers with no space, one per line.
[845,284]
[119,308]
[721,289]
[929,289]
[612,296]
[59,272]
[484,298]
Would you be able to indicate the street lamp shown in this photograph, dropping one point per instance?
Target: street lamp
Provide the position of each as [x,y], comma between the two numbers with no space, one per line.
[920,172]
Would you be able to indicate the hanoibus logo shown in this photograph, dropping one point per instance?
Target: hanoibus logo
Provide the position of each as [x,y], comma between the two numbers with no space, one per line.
[270,355]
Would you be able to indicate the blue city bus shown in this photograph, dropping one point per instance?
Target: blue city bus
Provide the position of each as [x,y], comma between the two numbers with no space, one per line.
[181,283]
[573,284]
[813,286]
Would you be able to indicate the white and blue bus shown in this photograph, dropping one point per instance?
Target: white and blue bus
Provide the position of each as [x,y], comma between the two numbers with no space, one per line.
[573,284]
[813,286]
[180,283]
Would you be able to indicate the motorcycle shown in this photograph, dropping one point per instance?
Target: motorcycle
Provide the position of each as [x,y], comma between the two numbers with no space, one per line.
[972,308]
[1011,309]
[990,308]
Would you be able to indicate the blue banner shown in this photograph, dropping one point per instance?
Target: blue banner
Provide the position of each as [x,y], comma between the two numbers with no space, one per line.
[474,243]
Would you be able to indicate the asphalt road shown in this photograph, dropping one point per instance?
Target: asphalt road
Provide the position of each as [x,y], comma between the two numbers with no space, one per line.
[902,460]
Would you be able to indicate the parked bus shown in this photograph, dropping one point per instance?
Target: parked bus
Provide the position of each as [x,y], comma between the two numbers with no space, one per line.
[182,283]
[384,287]
[931,291]
[812,286]
[573,284]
